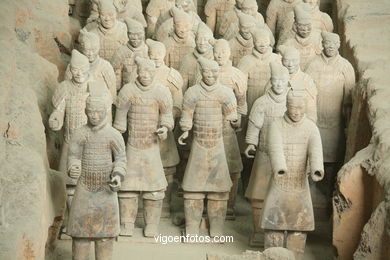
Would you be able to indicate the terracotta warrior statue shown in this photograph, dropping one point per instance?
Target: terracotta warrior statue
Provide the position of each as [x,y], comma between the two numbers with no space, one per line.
[233,78]
[206,106]
[214,11]
[69,102]
[123,60]
[277,12]
[265,110]
[144,108]
[172,79]
[125,9]
[256,66]
[166,26]
[99,68]
[320,20]
[155,9]
[334,77]
[97,159]
[230,17]
[111,31]
[295,152]
[181,42]
[291,60]
[242,44]
[303,37]
[189,67]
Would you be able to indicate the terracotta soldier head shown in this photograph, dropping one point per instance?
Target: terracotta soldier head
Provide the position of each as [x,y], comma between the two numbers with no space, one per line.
[107,14]
[181,23]
[261,40]
[331,43]
[279,78]
[296,103]
[146,69]
[79,67]
[290,58]
[156,51]
[204,39]
[303,20]
[89,44]
[96,110]
[135,32]
[249,7]
[221,52]
[209,70]
[246,24]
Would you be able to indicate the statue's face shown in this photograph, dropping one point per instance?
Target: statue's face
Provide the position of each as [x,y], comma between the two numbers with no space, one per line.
[184,4]
[157,56]
[120,5]
[279,85]
[304,29]
[312,3]
[96,114]
[291,63]
[210,76]
[91,50]
[249,10]
[296,108]
[79,73]
[331,48]
[245,31]
[182,30]
[203,44]
[136,38]
[107,19]
[221,55]
[145,76]
[262,45]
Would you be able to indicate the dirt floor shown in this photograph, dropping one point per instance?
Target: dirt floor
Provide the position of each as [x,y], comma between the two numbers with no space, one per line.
[318,242]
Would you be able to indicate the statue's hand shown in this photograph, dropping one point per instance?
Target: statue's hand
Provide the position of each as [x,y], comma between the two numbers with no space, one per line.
[317,175]
[162,133]
[54,121]
[249,151]
[182,138]
[75,171]
[115,183]
[236,123]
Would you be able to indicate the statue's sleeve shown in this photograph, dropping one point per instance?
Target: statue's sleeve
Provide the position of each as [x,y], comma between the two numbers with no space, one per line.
[313,93]
[183,70]
[315,150]
[166,105]
[110,79]
[240,89]
[189,105]
[243,66]
[229,107]
[59,103]
[275,149]
[76,145]
[255,123]
[117,65]
[176,80]
[122,108]
[349,77]
[118,149]
[272,16]
[327,22]
[211,14]
[140,18]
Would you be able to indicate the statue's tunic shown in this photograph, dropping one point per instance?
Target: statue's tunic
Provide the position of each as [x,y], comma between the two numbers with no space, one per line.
[124,65]
[334,78]
[239,48]
[110,39]
[177,48]
[95,212]
[288,204]
[172,79]
[214,11]
[204,109]
[143,110]
[265,110]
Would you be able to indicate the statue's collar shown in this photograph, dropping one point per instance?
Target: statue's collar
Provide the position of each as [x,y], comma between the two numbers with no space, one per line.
[290,122]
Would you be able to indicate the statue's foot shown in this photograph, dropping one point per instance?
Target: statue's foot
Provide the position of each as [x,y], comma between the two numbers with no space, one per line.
[127,229]
[256,239]
[192,230]
[151,230]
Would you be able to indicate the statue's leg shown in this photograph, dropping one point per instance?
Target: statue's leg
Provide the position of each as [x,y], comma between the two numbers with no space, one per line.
[169,173]
[216,211]
[235,177]
[104,248]
[193,209]
[128,207]
[153,202]
[80,248]
[296,242]
[255,239]
[273,238]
